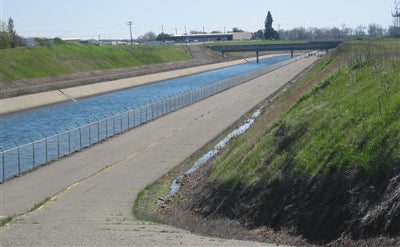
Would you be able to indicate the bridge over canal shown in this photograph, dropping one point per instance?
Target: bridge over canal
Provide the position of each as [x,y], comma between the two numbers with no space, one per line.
[309,46]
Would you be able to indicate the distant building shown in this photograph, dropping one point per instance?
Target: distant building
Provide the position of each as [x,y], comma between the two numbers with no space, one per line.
[210,37]
[242,36]
[190,38]
[91,42]
[29,41]
[72,40]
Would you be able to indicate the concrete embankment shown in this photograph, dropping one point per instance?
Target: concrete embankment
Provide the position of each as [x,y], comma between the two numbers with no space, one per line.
[31,101]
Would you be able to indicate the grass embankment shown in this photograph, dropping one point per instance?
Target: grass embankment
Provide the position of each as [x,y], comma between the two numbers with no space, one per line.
[25,62]
[326,167]
[350,121]
[330,165]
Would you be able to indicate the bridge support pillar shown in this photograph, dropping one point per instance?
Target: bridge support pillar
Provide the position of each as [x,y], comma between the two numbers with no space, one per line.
[291,53]
[258,60]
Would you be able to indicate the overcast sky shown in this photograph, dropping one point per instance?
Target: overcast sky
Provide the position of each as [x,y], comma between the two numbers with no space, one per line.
[90,18]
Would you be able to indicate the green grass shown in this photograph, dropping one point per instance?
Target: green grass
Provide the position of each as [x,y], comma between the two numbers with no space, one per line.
[5,220]
[349,122]
[8,219]
[145,207]
[24,62]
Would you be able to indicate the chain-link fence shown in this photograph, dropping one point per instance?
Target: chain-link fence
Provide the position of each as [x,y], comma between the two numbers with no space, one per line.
[28,157]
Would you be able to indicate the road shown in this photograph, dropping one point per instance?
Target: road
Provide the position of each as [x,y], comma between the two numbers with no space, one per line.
[93,191]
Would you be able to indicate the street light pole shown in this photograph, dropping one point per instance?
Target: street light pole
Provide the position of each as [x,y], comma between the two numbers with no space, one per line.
[130,30]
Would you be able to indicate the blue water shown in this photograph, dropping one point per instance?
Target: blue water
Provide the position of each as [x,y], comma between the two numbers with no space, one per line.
[21,128]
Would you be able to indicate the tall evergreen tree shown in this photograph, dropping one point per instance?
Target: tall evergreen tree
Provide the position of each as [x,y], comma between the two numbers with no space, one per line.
[269,32]
[12,34]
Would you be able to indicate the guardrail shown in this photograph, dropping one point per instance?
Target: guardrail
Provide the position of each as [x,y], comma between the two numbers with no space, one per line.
[28,157]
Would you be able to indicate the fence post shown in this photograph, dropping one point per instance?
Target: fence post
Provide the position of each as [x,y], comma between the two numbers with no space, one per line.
[113,118]
[58,145]
[154,113]
[121,121]
[19,160]
[80,137]
[134,118]
[46,145]
[33,154]
[146,114]
[3,159]
[69,142]
[90,136]
[129,119]
[106,129]
[140,115]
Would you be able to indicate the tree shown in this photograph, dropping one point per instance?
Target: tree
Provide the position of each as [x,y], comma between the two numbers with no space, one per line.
[258,35]
[270,32]
[237,30]
[360,31]
[163,37]
[375,30]
[12,33]
[14,39]
[394,31]
[149,36]
[4,39]
[8,35]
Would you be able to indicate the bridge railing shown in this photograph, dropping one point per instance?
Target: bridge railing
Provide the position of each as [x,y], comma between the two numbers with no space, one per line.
[24,158]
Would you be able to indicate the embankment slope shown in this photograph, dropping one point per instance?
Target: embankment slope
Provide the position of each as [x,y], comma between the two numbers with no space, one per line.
[328,169]
[61,59]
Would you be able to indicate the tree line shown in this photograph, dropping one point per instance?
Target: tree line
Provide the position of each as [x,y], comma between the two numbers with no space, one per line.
[8,36]
[313,33]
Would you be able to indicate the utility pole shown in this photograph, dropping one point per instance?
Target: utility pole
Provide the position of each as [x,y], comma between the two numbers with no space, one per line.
[162,28]
[224,29]
[176,31]
[203,29]
[396,14]
[130,30]
[185,30]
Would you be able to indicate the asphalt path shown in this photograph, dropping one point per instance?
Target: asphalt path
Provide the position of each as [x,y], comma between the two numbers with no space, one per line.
[92,192]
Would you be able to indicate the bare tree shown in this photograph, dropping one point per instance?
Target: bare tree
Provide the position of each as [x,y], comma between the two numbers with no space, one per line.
[374,30]
[149,36]
[360,31]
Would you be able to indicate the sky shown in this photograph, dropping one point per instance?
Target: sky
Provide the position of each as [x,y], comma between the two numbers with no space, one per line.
[108,18]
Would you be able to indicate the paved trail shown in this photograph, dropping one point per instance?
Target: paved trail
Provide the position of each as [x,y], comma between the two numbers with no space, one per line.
[93,191]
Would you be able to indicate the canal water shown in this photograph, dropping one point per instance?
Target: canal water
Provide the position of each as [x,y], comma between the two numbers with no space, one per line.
[21,128]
